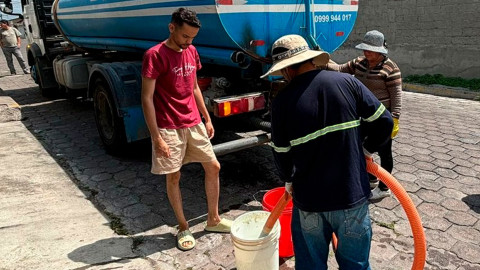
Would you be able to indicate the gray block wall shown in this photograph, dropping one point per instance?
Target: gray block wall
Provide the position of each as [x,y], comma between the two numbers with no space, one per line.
[424,36]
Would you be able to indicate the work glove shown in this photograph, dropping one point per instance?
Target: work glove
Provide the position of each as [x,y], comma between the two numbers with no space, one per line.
[395,128]
[288,188]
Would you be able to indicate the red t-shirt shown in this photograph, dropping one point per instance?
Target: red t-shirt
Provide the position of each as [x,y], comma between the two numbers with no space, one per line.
[175,72]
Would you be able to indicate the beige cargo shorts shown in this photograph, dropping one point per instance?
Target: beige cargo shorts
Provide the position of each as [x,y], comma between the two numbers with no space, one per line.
[186,145]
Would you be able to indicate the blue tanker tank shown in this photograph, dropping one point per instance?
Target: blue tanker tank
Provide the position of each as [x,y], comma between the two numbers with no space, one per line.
[228,26]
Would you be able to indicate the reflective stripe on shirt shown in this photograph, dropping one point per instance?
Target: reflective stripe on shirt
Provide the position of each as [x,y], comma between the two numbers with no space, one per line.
[280,149]
[377,114]
[326,130]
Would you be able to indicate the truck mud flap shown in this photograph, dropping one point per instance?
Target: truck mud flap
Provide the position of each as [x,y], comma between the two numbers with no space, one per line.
[125,82]
[135,125]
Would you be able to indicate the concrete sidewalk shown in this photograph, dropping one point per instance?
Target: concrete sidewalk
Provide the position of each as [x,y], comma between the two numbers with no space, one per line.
[45,218]
[9,109]
[47,221]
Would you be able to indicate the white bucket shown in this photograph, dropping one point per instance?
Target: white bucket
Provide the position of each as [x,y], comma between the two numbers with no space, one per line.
[252,252]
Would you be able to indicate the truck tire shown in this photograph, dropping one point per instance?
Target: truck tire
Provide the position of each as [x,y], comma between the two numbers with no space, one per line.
[47,92]
[110,126]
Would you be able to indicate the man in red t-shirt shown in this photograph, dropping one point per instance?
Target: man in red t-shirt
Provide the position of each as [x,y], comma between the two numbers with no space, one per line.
[172,103]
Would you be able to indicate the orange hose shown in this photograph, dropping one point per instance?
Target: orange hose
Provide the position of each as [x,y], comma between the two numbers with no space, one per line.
[334,242]
[275,214]
[419,241]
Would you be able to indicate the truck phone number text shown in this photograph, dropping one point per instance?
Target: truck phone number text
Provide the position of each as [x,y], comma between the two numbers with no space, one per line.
[332,18]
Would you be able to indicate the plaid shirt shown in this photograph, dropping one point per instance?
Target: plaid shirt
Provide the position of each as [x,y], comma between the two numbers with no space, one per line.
[384,80]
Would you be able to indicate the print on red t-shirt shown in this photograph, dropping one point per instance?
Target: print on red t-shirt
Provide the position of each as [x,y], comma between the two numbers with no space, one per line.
[175,72]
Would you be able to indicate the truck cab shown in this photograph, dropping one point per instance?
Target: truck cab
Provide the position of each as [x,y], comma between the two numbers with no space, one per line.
[45,41]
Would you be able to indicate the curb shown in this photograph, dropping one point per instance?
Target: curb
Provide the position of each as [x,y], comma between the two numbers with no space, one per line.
[9,109]
[441,90]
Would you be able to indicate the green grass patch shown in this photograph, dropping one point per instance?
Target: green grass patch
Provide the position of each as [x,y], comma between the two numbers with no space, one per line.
[116,224]
[472,84]
[390,226]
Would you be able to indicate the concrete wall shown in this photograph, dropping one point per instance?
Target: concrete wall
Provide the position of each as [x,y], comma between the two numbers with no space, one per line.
[424,36]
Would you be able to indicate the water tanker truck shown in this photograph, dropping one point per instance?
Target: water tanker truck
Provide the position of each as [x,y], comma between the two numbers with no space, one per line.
[95,48]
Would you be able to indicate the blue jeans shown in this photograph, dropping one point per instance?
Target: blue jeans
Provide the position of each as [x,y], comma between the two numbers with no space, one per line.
[312,233]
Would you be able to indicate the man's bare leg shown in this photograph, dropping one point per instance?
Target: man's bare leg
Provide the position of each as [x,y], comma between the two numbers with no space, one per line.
[212,189]
[175,197]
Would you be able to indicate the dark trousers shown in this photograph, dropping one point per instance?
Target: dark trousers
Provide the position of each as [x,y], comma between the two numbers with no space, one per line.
[9,52]
[386,161]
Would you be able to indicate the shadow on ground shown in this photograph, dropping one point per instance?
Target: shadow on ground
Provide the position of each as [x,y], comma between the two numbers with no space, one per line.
[122,187]
[473,201]
[121,248]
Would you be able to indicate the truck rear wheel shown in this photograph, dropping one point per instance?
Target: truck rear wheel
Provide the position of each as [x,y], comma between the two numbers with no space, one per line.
[47,92]
[110,126]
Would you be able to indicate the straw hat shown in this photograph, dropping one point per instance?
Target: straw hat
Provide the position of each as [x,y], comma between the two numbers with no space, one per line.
[373,41]
[296,50]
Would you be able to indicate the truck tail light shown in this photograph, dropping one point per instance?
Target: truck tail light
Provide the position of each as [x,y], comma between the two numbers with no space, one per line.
[239,104]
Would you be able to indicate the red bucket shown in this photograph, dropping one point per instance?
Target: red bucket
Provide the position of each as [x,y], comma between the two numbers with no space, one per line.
[270,199]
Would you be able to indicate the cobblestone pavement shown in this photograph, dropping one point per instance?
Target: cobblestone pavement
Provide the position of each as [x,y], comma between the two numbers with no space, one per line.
[437,160]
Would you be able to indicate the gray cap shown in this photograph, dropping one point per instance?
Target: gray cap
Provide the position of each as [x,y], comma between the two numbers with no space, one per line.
[373,41]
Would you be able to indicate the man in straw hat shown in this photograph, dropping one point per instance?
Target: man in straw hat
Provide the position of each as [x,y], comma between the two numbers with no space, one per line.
[381,76]
[320,154]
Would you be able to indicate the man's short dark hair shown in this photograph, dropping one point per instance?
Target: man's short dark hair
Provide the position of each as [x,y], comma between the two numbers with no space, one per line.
[185,15]
[4,21]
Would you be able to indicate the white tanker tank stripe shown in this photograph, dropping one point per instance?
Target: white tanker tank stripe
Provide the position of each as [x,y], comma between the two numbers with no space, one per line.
[135,13]
[283,8]
[115,5]
[212,9]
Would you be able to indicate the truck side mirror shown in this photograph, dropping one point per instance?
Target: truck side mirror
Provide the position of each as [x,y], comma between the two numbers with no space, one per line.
[6,7]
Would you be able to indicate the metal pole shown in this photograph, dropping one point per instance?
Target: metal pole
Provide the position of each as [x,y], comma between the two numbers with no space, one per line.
[309,24]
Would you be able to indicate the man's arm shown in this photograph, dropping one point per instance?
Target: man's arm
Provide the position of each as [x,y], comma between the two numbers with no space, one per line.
[348,67]
[148,89]
[18,34]
[394,87]
[281,145]
[203,110]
